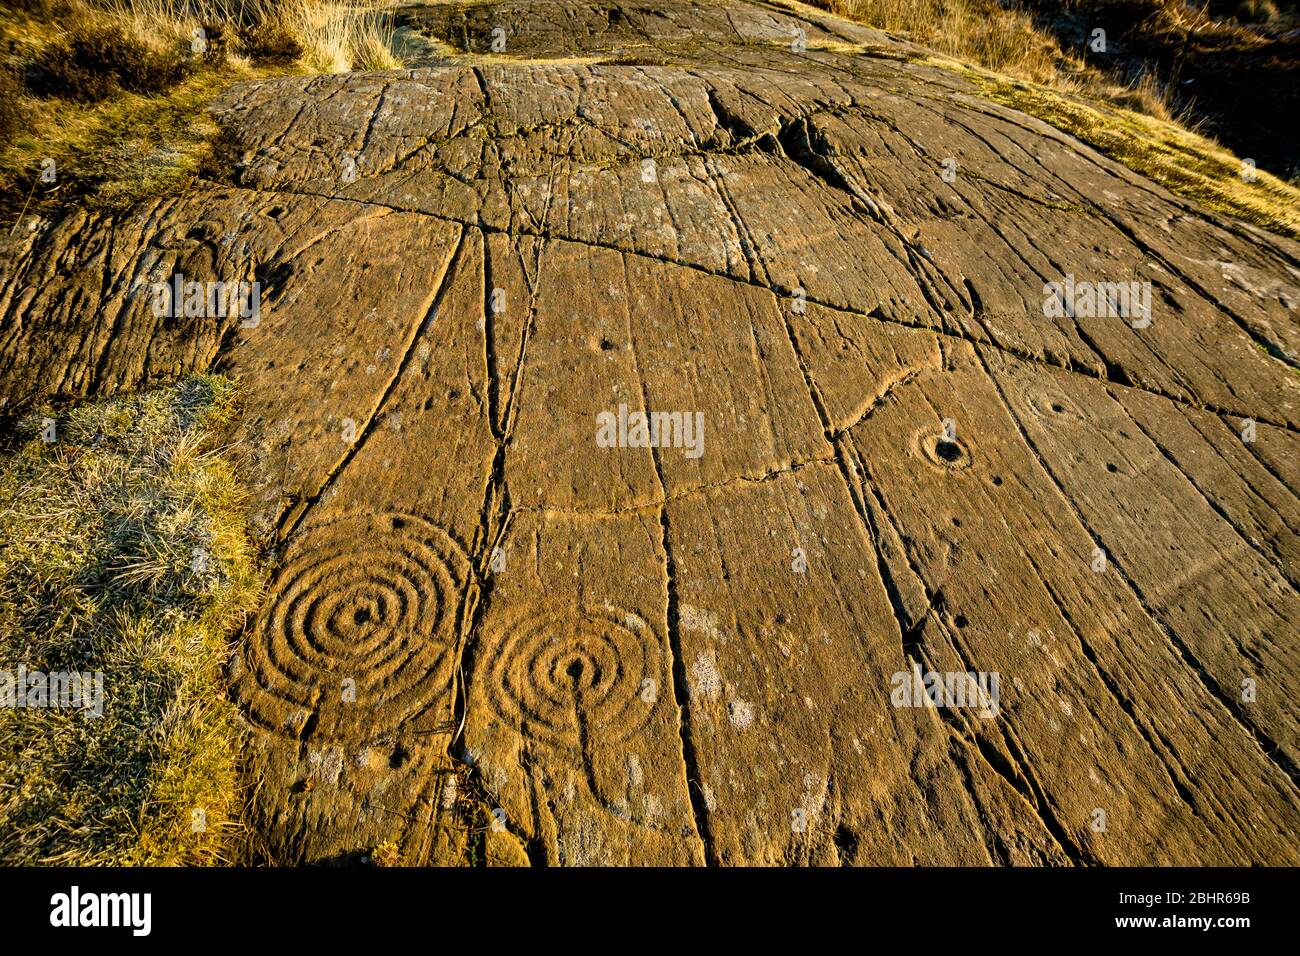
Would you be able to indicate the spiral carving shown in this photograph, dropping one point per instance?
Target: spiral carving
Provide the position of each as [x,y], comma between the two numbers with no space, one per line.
[358,634]
[561,674]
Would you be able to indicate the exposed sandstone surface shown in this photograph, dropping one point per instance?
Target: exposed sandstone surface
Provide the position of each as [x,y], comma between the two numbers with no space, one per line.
[906,461]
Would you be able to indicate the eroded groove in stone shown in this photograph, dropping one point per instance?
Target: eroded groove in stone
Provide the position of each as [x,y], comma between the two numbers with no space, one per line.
[908,460]
[358,628]
[564,677]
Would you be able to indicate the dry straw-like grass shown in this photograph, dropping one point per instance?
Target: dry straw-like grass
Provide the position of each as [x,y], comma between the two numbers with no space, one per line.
[115,91]
[333,37]
[976,31]
[123,550]
[1016,62]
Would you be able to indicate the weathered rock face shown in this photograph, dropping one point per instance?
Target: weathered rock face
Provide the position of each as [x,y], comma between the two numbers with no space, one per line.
[884,448]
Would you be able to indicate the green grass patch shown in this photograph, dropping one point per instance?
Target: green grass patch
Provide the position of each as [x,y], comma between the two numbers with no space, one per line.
[112,154]
[124,551]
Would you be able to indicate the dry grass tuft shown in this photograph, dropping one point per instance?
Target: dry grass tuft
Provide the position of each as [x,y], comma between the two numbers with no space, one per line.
[337,37]
[123,550]
[97,59]
[115,91]
[977,31]
[328,36]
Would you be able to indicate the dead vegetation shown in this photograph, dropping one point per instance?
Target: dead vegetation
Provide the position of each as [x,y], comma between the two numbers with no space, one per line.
[1231,69]
[1134,107]
[93,63]
[978,31]
[123,551]
[113,92]
[1010,39]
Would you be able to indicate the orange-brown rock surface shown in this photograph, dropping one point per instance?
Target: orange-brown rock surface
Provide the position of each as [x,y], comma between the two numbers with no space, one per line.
[893,453]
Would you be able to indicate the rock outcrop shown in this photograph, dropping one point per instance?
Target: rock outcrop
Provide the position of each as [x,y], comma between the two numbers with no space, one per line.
[936,389]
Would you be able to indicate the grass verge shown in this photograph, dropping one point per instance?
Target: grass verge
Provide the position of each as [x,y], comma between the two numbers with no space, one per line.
[1013,60]
[1182,161]
[123,551]
[108,157]
[103,102]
